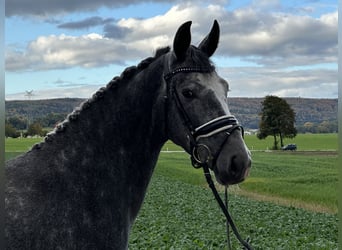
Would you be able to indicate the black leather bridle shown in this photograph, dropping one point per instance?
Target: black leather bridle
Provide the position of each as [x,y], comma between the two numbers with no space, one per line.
[223,124]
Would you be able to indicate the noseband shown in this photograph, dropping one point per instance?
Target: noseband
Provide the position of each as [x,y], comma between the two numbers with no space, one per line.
[225,123]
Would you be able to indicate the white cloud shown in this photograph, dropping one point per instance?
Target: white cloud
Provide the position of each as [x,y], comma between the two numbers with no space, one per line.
[166,25]
[141,38]
[54,52]
[280,39]
[330,19]
[261,81]
[275,41]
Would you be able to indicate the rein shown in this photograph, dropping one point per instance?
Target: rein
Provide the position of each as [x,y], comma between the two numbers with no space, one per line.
[225,123]
[224,209]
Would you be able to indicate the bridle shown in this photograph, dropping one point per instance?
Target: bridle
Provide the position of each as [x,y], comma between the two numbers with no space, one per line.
[223,124]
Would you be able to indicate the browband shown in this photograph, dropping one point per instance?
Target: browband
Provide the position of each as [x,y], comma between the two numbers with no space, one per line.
[187,70]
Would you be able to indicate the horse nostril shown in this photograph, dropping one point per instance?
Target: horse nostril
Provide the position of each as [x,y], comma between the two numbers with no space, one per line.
[233,166]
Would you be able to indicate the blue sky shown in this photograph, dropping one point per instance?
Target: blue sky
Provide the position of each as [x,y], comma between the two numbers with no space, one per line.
[71,48]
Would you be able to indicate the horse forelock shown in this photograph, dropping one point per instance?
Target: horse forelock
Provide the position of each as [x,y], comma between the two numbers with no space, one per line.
[200,59]
[195,58]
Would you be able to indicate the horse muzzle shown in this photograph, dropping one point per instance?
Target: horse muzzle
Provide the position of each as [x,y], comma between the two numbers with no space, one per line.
[233,164]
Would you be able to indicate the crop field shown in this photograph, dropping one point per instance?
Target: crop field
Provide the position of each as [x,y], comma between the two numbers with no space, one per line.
[178,215]
[288,202]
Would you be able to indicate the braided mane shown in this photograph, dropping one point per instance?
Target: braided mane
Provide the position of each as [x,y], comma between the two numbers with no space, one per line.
[125,76]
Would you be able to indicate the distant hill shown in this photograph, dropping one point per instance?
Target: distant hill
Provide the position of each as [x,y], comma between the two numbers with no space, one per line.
[245,109]
[40,108]
[307,110]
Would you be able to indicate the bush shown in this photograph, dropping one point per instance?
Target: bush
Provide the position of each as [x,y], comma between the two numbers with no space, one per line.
[35,129]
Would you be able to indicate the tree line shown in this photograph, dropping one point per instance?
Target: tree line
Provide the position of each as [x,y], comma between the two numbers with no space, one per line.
[318,128]
[277,119]
[17,126]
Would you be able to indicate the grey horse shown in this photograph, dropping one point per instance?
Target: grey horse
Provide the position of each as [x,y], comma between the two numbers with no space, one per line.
[83,186]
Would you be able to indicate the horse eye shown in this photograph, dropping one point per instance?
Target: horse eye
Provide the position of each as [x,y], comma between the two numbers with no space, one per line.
[187,93]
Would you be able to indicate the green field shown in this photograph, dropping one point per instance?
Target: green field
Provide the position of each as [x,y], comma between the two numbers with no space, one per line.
[320,142]
[179,211]
[309,178]
[20,145]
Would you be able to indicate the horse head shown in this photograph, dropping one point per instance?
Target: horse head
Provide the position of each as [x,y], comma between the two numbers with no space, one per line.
[198,117]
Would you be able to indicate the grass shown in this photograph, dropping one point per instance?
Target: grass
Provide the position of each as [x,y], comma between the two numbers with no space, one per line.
[307,177]
[314,142]
[15,147]
[20,144]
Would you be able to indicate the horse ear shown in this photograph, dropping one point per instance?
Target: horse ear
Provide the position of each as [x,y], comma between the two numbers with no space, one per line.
[182,41]
[210,42]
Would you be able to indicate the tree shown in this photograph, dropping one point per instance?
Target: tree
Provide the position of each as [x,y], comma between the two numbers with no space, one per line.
[51,119]
[35,129]
[10,131]
[17,122]
[277,119]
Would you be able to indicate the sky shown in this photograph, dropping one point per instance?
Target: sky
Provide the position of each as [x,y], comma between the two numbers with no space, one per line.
[63,48]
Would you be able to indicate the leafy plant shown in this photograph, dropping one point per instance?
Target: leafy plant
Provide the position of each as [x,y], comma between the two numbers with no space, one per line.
[177,215]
